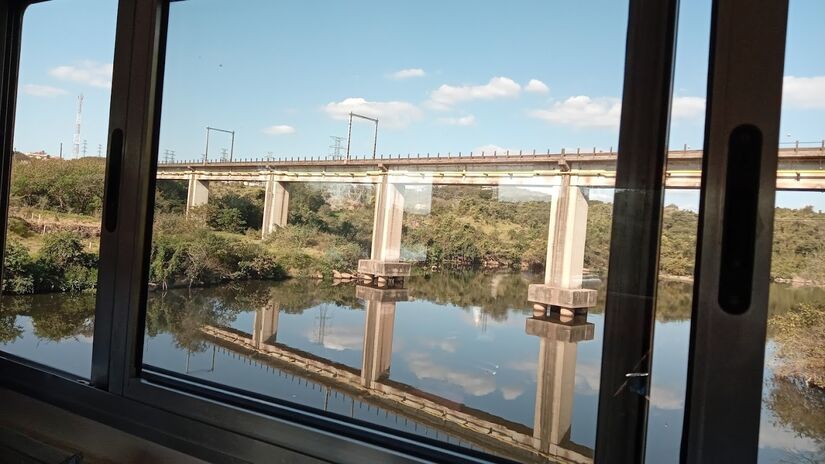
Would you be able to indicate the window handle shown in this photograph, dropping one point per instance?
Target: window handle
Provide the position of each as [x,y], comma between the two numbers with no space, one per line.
[739,219]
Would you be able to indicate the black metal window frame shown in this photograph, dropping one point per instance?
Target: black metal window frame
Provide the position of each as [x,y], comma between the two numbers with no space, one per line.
[223,424]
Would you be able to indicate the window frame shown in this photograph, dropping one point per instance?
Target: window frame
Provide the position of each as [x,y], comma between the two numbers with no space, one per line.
[224,425]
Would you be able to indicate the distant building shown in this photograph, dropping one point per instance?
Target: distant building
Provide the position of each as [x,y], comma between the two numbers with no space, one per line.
[38,155]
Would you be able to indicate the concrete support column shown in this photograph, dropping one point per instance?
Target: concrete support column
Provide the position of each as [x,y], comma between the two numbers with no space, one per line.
[378,331]
[387,222]
[197,193]
[276,206]
[266,325]
[565,253]
[556,378]
[385,256]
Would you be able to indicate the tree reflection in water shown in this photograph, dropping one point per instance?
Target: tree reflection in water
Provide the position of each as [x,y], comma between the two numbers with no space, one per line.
[183,313]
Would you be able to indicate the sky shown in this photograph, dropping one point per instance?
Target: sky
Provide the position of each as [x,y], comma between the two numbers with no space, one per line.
[454,76]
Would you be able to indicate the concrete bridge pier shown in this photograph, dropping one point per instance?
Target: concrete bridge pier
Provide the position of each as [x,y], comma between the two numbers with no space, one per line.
[197,194]
[556,378]
[378,331]
[276,206]
[562,290]
[265,325]
[385,257]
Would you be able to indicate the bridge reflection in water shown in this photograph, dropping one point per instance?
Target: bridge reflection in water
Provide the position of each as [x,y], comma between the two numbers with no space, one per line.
[547,440]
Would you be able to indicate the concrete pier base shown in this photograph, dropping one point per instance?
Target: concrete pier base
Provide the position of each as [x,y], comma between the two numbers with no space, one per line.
[375,268]
[573,298]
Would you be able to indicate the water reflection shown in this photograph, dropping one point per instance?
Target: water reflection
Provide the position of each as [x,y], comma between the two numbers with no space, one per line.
[454,357]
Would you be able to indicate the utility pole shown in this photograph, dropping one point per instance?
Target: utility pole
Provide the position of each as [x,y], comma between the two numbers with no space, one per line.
[231,146]
[349,132]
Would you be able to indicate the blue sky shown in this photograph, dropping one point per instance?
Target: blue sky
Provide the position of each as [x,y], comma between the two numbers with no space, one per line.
[440,76]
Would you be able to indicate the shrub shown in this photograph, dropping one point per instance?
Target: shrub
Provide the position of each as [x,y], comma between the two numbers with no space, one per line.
[342,256]
[20,227]
[64,265]
[800,334]
[226,219]
[18,269]
[204,257]
[293,236]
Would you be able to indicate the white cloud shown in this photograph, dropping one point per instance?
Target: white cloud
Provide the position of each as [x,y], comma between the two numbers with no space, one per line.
[666,398]
[446,96]
[461,121]
[86,72]
[587,378]
[804,92]
[582,111]
[511,392]
[490,148]
[42,90]
[471,383]
[536,86]
[408,73]
[279,129]
[339,338]
[688,107]
[448,344]
[529,367]
[390,113]
[773,435]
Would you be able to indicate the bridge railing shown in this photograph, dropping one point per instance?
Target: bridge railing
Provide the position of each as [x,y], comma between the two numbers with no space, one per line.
[563,152]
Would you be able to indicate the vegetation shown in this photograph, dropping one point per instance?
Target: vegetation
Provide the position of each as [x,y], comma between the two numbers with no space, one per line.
[466,226]
[74,186]
[61,265]
[799,334]
[800,408]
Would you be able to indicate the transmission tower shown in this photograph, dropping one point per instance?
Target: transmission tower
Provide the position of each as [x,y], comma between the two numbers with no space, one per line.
[84,147]
[78,118]
[168,156]
[224,155]
[337,146]
[99,149]
[322,319]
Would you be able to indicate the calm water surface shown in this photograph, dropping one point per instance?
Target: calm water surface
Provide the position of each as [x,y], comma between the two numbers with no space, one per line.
[460,343]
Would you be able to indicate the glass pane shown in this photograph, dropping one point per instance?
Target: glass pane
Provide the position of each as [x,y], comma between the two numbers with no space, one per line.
[678,238]
[52,240]
[792,425]
[374,211]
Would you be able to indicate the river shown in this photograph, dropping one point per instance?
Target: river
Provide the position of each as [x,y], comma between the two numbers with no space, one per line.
[454,357]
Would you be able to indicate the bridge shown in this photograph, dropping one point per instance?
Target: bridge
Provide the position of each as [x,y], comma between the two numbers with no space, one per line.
[569,175]
[548,440]
[799,169]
